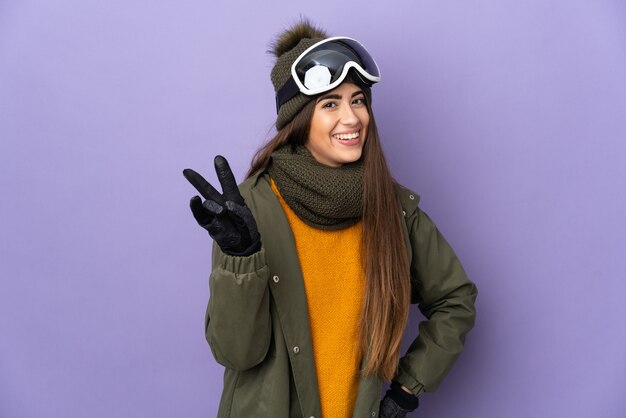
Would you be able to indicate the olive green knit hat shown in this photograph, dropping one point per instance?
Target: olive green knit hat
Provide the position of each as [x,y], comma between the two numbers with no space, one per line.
[287,47]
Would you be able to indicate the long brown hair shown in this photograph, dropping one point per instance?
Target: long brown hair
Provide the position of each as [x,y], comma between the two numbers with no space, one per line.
[384,257]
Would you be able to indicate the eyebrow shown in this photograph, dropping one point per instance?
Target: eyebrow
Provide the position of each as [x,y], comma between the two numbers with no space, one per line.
[338,96]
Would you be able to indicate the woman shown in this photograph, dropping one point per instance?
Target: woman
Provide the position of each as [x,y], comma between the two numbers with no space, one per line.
[319,253]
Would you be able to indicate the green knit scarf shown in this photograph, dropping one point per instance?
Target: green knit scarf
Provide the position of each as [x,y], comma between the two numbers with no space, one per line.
[323,197]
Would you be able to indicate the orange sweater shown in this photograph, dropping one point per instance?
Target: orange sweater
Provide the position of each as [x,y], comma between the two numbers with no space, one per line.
[334,281]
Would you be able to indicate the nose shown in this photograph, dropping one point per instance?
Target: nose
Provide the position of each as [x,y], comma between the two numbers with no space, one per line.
[348,117]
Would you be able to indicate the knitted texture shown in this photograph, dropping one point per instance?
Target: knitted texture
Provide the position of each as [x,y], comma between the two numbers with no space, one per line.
[335,289]
[322,196]
[281,73]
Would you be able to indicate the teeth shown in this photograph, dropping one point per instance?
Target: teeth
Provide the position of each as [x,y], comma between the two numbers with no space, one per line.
[347,136]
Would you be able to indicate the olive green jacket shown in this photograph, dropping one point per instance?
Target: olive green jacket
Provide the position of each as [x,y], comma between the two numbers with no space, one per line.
[258,328]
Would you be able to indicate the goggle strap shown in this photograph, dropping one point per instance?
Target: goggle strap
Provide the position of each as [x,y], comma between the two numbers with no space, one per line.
[290,89]
[287,92]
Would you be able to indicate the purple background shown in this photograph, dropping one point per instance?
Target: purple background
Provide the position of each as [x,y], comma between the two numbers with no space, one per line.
[508,117]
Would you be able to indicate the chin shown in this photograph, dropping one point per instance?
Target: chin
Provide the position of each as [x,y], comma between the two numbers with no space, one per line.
[351,158]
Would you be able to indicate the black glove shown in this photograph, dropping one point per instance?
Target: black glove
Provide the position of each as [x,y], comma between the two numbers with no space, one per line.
[397,403]
[226,217]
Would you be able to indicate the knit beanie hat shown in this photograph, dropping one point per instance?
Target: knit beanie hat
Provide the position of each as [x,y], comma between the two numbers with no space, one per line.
[287,47]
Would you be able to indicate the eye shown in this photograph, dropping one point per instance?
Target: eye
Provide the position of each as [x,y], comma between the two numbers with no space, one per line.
[329,105]
[359,101]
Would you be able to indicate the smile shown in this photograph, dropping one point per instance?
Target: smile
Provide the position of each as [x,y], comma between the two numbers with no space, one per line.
[346,137]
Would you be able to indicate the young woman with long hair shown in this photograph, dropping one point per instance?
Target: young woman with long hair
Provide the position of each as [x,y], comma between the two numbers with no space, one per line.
[319,253]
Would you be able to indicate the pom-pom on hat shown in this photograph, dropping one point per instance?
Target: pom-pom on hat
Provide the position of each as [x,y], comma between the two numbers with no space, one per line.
[287,47]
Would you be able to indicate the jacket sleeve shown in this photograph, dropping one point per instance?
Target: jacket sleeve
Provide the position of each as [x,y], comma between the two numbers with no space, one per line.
[237,322]
[446,298]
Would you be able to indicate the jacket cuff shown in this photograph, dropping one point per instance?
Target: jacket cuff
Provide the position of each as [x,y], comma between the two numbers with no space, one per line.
[409,382]
[242,264]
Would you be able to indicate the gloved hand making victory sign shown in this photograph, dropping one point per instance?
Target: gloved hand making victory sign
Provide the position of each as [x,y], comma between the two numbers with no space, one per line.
[226,216]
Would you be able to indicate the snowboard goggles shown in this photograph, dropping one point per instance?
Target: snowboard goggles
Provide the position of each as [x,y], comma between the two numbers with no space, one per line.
[324,65]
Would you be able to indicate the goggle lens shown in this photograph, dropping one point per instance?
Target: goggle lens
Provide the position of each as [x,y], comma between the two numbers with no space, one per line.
[324,64]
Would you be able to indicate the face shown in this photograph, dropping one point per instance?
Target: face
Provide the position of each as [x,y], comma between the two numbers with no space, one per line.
[339,126]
